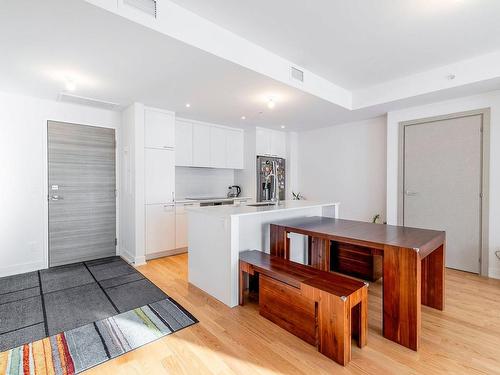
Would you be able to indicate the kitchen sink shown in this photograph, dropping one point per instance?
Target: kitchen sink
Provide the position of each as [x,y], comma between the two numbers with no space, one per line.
[263,204]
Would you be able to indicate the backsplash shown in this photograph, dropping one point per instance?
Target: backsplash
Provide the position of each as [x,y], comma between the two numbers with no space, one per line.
[194,182]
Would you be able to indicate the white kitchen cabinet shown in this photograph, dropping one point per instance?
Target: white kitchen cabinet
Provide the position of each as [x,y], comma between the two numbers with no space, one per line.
[160,228]
[218,140]
[184,143]
[278,144]
[159,129]
[201,145]
[263,141]
[159,166]
[181,224]
[270,143]
[234,149]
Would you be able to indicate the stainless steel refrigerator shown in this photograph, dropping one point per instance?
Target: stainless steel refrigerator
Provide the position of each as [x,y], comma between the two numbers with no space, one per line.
[265,183]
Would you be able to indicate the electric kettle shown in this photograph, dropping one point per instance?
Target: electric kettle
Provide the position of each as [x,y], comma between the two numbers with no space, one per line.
[234,191]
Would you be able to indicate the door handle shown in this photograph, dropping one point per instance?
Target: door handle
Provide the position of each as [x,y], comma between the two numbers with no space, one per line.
[410,193]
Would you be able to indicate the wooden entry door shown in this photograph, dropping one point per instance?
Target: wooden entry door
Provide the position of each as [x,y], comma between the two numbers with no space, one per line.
[82,195]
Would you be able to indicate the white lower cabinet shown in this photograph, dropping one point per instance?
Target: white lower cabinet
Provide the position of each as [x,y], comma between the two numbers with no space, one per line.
[160,228]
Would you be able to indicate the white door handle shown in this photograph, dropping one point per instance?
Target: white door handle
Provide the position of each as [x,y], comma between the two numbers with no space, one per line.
[410,193]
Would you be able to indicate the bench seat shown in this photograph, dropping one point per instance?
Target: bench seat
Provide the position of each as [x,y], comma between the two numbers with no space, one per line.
[323,308]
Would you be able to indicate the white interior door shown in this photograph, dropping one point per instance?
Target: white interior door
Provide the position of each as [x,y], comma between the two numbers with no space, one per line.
[442,185]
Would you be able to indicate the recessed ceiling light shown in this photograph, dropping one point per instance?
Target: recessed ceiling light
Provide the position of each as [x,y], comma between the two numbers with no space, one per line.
[243,118]
[271,103]
[70,85]
[188,105]
[282,126]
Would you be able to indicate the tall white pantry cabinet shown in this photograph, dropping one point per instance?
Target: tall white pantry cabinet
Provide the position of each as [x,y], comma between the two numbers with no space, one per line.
[159,170]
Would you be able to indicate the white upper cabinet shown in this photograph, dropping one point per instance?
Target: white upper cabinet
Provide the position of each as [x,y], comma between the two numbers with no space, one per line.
[263,142]
[159,173]
[234,149]
[201,145]
[184,143]
[218,140]
[278,144]
[270,143]
[206,145]
[159,129]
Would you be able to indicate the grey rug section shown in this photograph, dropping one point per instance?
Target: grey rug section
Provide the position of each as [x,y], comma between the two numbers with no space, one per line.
[171,313]
[120,280]
[22,336]
[111,270]
[19,314]
[18,282]
[136,294]
[71,308]
[19,295]
[97,262]
[86,347]
[64,277]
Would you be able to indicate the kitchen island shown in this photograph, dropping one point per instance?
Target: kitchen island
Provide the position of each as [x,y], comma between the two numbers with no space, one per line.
[218,234]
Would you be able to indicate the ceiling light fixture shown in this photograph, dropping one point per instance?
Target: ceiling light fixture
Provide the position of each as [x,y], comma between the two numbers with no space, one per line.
[188,105]
[243,118]
[282,126]
[271,103]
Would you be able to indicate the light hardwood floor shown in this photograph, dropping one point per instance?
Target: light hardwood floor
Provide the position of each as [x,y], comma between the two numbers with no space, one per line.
[463,339]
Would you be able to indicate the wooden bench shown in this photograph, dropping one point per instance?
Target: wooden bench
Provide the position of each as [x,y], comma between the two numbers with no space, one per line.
[322,308]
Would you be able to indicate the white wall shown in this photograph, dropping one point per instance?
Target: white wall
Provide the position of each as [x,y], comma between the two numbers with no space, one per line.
[199,182]
[23,175]
[490,100]
[347,164]
[132,217]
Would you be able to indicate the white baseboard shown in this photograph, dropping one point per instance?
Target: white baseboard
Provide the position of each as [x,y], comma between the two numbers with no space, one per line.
[494,273]
[135,261]
[21,268]
[167,253]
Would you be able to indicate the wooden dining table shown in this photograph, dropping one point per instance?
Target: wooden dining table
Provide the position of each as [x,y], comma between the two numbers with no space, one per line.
[412,267]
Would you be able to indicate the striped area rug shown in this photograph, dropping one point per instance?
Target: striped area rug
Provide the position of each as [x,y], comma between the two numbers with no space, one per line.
[79,349]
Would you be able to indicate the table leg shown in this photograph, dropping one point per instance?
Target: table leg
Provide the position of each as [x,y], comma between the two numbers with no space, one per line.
[319,253]
[278,242]
[402,296]
[241,287]
[433,279]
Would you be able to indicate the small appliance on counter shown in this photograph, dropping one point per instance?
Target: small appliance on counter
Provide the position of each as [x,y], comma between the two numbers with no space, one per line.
[265,176]
[234,191]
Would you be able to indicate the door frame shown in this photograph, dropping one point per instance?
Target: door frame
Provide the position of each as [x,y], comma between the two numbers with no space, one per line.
[46,181]
[485,174]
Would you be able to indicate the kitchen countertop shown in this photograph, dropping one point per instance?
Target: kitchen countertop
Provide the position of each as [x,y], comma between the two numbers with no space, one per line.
[224,211]
[185,200]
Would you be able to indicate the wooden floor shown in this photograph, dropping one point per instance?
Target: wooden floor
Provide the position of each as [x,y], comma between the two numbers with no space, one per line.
[464,339]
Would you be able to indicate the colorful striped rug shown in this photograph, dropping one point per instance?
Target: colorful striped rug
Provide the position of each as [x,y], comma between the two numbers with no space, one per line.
[79,349]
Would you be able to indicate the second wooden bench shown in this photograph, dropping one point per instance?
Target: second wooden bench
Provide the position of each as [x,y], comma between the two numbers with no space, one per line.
[320,307]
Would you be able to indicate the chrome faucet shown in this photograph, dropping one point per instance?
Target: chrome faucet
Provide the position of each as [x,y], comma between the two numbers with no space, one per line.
[274,173]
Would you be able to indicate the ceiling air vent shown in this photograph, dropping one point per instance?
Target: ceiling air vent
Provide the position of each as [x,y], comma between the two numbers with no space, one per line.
[297,74]
[145,6]
[69,98]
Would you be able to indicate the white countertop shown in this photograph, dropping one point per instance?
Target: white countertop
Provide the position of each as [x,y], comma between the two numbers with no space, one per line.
[185,200]
[224,211]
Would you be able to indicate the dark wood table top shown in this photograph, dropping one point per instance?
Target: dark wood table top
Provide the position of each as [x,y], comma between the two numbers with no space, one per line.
[420,240]
[294,274]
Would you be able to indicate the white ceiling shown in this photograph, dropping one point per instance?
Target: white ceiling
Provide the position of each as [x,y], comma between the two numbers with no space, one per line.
[360,43]
[117,60]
